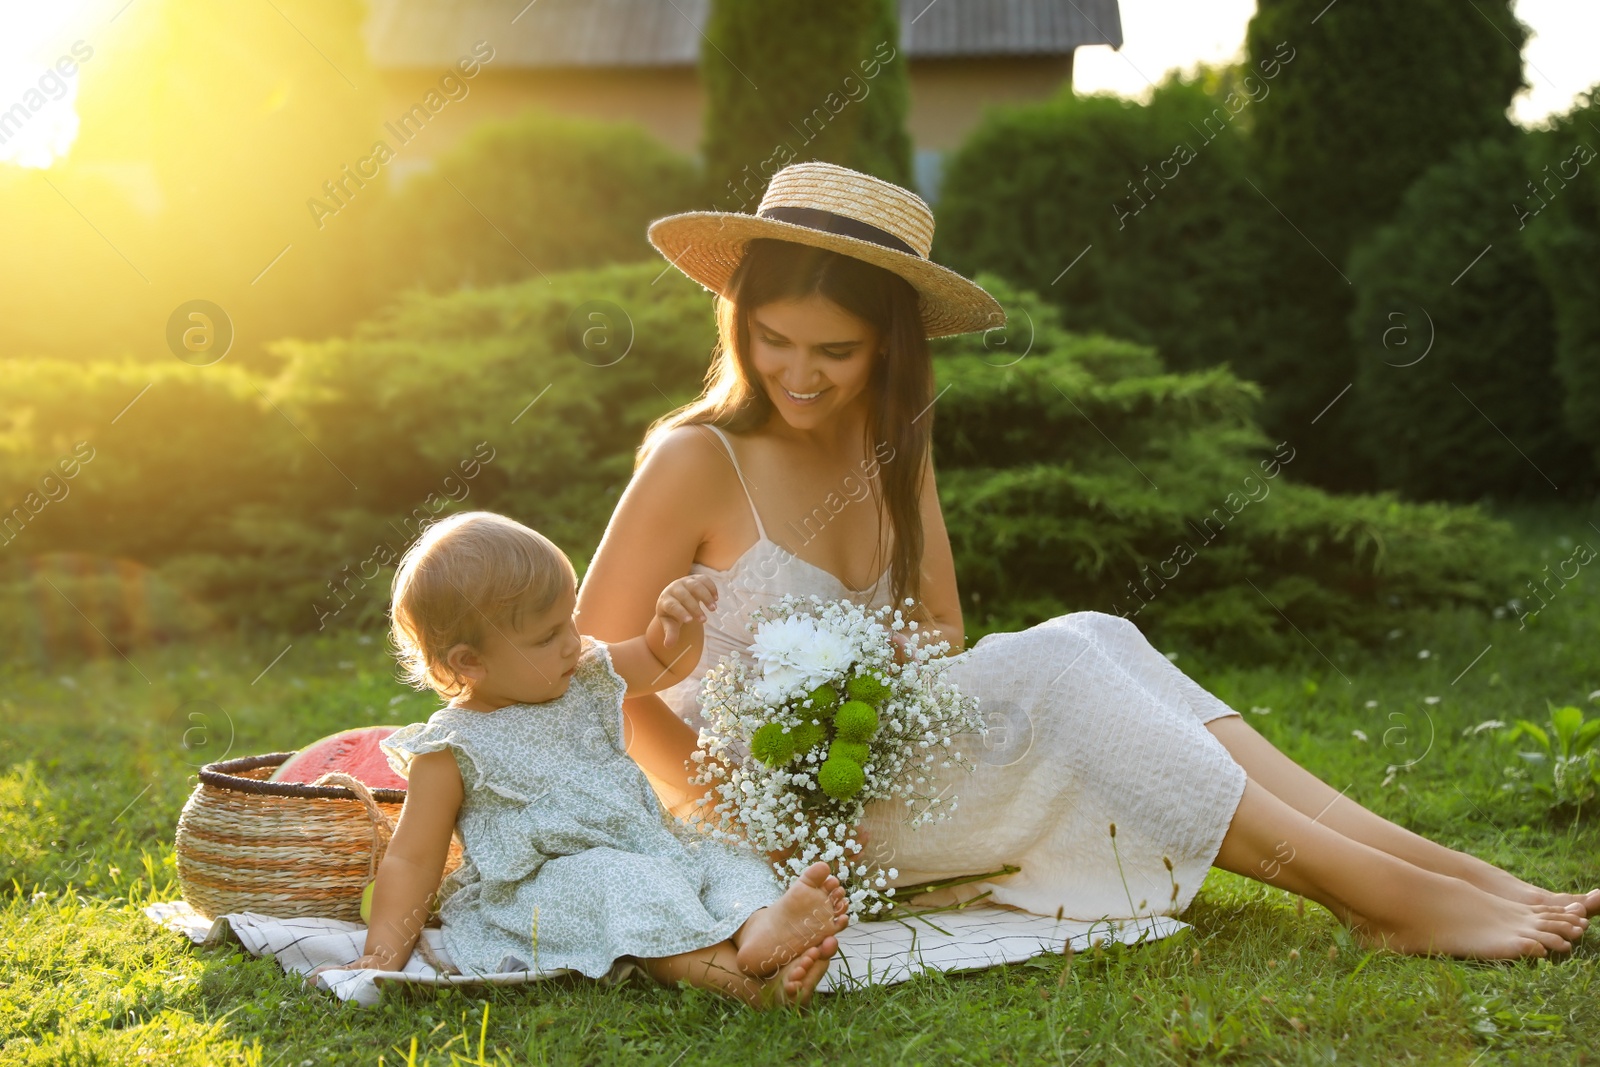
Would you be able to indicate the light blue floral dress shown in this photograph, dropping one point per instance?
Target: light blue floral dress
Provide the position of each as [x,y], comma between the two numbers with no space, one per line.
[556,816]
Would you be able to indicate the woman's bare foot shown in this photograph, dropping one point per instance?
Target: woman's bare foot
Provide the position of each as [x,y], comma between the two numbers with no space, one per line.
[1502,883]
[1455,918]
[1304,792]
[1387,901]
[809,911]
[795,983]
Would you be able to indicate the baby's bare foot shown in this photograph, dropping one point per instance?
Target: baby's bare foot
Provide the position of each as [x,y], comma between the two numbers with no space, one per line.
[807,913]
[1456,918]
[795,983]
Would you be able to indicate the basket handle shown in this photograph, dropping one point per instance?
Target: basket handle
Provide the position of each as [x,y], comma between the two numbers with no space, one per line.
[382,830]
[382,825]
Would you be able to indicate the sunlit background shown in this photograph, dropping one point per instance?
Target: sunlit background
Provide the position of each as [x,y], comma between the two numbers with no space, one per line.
[1562,57]
[215,278]
[32,38]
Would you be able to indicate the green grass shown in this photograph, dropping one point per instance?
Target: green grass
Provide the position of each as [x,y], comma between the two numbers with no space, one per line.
[98,756]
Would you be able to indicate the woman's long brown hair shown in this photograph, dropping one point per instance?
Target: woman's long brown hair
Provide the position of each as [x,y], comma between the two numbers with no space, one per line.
[900,387]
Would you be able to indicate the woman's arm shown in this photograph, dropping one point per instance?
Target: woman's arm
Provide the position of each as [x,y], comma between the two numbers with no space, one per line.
[652,538]
[412,866]
[940,609]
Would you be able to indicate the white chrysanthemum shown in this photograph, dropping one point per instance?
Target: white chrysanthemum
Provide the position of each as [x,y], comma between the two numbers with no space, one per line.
[780,641]
[799,653]
[828,656]
[778,681]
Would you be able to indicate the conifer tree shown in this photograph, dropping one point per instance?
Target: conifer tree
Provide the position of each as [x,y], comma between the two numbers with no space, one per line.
[1370,95]
[794,80]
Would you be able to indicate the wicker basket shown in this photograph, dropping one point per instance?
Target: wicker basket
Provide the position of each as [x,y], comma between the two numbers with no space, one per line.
[285,849]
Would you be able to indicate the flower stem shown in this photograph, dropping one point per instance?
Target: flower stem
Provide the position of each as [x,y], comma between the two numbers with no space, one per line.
[904,893]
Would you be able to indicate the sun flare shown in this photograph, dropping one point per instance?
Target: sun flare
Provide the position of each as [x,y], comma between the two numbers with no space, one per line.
[41,49]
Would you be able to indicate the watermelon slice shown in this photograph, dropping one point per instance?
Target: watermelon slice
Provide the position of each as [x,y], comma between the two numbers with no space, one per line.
[355,752]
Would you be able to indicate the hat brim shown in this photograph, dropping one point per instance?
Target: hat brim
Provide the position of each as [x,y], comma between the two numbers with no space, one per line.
[708,246]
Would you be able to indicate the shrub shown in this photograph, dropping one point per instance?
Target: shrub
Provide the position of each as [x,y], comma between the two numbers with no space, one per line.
[1082,476]
[1147,204]
[1455,391]
[834,87]
[1369,97]
[528,197]
[1563,196]
[283,503]
[542,390]
[166,450]
[109,470]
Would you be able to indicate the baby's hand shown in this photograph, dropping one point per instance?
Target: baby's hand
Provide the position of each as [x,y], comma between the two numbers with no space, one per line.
[370,961]
[680,603]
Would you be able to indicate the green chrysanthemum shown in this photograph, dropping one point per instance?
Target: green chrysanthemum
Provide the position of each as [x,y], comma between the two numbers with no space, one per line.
[823,698]
[807,736]
[772,746]
[841,778]
[855,720]
[867,688]
[854,751]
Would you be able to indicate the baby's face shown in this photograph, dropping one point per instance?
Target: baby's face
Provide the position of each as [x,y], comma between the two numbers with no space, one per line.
[532,662]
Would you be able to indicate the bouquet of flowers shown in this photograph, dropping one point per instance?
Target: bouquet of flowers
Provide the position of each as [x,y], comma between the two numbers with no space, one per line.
[827,720]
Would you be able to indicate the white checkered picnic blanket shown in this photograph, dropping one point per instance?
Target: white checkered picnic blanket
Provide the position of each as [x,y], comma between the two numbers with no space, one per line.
[870,953]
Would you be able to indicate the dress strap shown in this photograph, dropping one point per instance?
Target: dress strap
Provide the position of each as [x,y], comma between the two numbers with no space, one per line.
[760,530]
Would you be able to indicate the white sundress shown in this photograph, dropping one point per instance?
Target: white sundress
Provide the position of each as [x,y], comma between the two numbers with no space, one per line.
[1089,726]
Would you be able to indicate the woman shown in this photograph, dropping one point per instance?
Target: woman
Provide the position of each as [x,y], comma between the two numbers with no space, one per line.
[1120,781]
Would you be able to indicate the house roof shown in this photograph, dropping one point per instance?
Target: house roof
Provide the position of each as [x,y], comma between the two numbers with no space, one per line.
[667,33]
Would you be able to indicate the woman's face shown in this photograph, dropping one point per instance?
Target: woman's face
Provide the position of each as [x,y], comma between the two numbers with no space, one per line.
[813,357]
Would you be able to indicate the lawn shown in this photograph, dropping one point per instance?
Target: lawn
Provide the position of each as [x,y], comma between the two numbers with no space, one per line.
[98,756]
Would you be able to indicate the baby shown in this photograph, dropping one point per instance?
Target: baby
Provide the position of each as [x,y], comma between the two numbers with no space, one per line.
[569,859]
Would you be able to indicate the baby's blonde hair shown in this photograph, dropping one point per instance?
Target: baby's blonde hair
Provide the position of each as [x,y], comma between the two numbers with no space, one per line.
[466,574]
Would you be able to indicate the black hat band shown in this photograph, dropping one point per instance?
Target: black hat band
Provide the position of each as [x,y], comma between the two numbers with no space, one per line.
[828,222]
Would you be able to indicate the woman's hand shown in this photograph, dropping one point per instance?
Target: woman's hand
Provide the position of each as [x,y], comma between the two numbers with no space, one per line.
[930,634]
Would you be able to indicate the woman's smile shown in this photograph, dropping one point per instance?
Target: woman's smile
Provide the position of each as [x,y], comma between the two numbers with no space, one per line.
[802,399]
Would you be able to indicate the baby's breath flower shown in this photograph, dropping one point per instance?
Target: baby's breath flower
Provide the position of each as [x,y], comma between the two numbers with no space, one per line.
[782,808]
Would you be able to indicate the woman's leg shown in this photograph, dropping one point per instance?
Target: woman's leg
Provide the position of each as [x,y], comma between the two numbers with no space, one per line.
[1311,796]
[717,968]
[1384,900]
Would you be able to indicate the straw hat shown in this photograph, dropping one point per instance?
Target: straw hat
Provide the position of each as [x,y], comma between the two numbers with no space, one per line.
[843,210]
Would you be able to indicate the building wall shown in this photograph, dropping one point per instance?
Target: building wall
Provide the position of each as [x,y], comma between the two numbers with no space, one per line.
[948,98]
[665,101]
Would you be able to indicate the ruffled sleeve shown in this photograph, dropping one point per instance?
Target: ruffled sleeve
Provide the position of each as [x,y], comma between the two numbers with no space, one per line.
[609,687]
[409,742]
